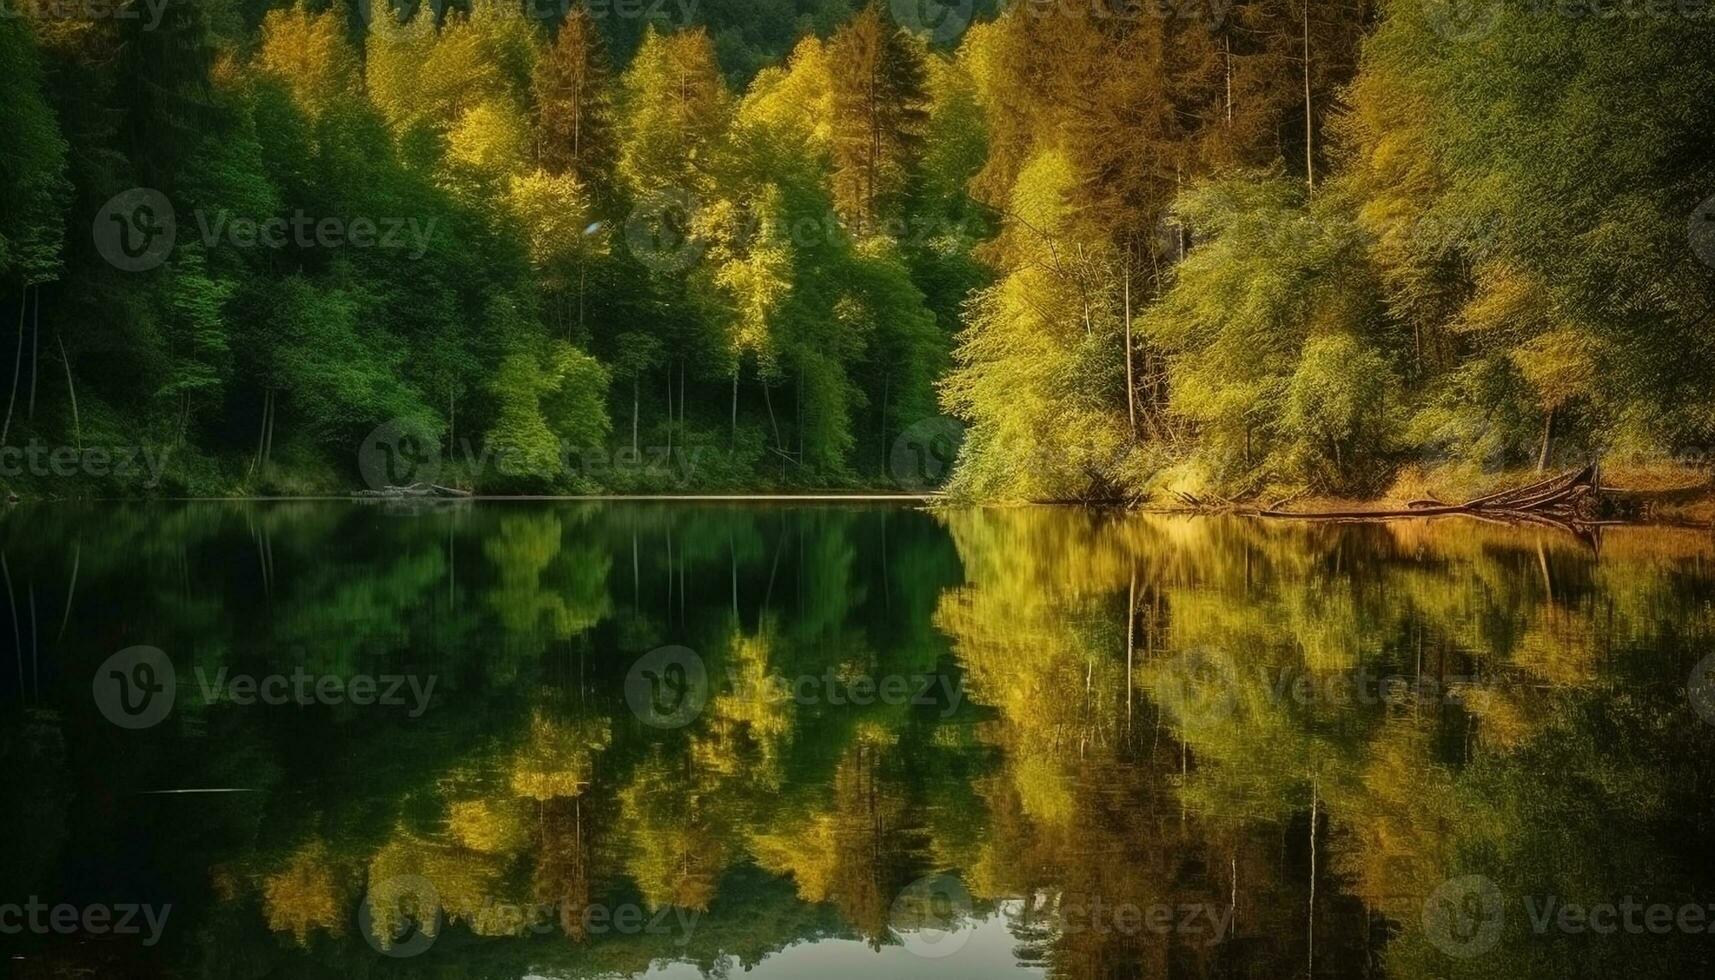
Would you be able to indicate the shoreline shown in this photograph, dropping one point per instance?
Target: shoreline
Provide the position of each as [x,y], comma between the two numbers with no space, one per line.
[1675,496]
[1696,512]
[352,497]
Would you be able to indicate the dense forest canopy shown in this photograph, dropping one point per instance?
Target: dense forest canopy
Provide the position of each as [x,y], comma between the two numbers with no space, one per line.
[1252,247]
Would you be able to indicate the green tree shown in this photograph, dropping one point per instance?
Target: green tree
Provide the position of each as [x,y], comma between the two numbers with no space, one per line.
[574,99]
[879,114]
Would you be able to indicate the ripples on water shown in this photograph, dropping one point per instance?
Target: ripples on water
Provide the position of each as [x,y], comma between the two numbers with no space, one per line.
[879,741]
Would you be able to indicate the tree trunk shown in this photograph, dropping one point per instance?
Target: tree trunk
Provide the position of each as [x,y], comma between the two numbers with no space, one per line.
[774,423]
[35,347]
[634,401]
[76,424]
[1547,436]
[17,361]
[886,383]
[734,442]
[12,606]
[1309,144]
[262,430]
[1130,377]
[1130,643]
[779,443]
[273,410]
[1227,50]
[1310,916]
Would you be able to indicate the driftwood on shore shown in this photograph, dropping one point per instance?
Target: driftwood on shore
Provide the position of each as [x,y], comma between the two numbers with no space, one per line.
[412,491]
[1568,499]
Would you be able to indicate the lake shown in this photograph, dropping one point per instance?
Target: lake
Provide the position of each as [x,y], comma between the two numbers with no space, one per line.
[573,739]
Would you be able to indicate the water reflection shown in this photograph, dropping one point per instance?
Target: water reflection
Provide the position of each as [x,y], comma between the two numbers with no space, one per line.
[936,744]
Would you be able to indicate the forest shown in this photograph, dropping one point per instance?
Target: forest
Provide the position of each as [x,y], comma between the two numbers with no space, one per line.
[1102,249]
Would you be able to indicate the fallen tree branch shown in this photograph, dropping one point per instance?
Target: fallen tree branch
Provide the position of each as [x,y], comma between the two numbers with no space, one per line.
[414,490]
[1555,500]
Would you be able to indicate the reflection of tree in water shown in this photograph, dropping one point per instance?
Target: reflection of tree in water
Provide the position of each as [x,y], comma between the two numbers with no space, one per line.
[545,590]
[1559,645]
[1128,733]
[876,847]
[855,847]
[679,831]
[306,894]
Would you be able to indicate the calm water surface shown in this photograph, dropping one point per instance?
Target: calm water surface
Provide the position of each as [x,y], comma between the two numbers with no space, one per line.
[672,740]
